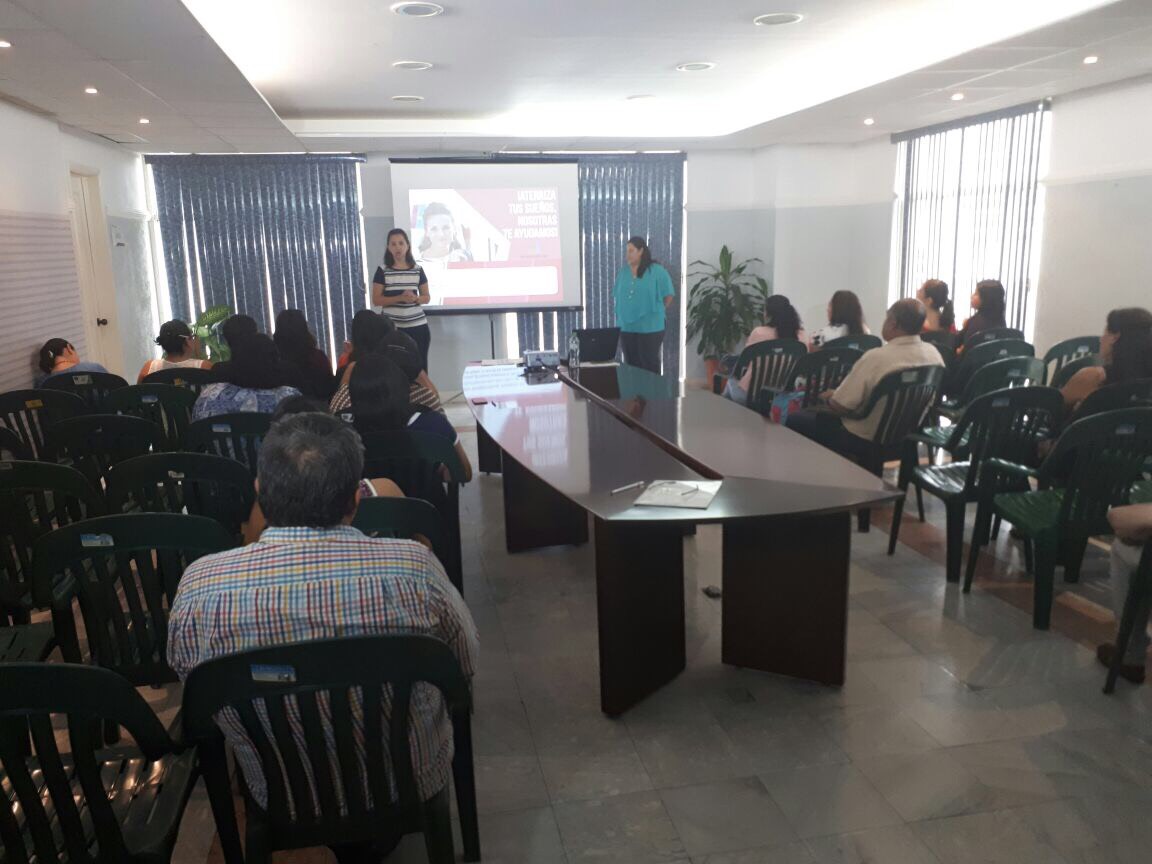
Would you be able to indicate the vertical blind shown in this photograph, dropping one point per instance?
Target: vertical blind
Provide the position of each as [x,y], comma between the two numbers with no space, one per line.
[620,196]
[261,234]
[968,206]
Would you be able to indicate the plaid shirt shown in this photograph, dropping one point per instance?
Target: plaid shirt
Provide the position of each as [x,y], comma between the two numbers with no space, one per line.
[297,584]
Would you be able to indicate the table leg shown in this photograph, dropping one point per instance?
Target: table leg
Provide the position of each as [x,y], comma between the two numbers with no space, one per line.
[488,451]
[640,605]
[786,595]
[536,515]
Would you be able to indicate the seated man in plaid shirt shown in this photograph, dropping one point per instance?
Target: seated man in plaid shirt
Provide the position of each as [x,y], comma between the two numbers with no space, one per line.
[312,576]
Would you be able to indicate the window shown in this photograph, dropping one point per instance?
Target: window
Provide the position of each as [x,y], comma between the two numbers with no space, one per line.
[968,203]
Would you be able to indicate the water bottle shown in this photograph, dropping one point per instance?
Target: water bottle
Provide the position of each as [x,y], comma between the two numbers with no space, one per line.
[573,353]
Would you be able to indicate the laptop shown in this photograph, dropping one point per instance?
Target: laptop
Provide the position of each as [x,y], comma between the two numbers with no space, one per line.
[599,344]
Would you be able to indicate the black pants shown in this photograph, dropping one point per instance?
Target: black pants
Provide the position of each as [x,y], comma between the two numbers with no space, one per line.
[643,349]
[827,429]
[422,336]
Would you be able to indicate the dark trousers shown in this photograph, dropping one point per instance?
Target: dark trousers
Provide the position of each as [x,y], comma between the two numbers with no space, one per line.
[422,336]
[643,349]
[827,430]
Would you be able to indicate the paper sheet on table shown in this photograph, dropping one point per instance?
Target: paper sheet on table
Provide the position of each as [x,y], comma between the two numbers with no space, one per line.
[694,494]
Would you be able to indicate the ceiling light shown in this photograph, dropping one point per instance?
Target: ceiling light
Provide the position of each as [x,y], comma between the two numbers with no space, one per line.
[1090,59]
[868,121]
[144,121]
[412,65]
[697,66]
[957,97]
[418,9]
[4,43]
[407,98]
[775,19]
[91,91]
[639,96]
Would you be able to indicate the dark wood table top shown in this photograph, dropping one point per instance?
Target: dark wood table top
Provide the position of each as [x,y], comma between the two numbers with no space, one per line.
[622,424]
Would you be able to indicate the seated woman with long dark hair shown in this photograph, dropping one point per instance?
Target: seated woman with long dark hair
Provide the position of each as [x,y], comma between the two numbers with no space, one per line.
[845,318]
[990,302]
[298,350]
[378,402]
[375,334]
[781,321]
[1125,355]
[257,380]
[941,317]
[58,356]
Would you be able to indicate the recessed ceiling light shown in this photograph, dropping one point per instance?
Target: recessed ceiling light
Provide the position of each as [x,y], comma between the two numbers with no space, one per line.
[957,97]
[696,66]
[1090,59]
[407,98]
[144,121]
[637,96]
[412,65]
[91,91]
[868,121]
[4,43]
[775,19]
[417,9]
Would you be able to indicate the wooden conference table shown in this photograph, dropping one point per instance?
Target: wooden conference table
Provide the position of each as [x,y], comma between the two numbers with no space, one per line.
[785,505]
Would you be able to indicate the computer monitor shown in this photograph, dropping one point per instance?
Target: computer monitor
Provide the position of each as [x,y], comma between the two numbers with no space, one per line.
[598,344]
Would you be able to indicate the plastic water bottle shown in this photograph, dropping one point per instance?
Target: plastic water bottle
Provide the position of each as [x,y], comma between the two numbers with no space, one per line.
[573,353]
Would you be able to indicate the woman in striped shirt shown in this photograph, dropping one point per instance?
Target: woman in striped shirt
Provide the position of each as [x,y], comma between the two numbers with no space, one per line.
[400,288]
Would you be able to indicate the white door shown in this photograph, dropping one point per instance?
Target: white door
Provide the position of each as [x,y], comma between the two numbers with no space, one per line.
[94,268]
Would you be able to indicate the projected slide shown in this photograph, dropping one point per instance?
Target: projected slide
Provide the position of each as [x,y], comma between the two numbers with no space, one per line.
[492,236]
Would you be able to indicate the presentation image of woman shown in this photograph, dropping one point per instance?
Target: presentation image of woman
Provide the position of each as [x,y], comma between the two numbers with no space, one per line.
[439,242]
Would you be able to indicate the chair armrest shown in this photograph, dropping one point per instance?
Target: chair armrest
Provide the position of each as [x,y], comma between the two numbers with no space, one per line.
[1006,469]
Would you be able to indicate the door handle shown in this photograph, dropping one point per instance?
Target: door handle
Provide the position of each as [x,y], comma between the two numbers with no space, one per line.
[101,322]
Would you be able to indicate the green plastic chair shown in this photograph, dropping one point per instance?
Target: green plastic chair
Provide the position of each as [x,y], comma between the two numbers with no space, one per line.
[355,692]
[196,483]
[1139,587]
[822,370]
[404,518]
[166,405]
[976,356]
[771,364]
[186,379]
[997,375]
[994,334]
[93,443]
[29,413]
[1095,461]
[1065,372]
[124,570]
[86,804]
[1006,424]
[233,436]
[861,342]
[1063,353]
[92,387]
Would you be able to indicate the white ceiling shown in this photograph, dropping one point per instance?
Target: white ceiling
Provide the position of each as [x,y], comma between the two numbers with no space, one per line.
[547,74]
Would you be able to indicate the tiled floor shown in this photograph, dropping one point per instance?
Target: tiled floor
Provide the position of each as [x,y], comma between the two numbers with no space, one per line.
[961,736]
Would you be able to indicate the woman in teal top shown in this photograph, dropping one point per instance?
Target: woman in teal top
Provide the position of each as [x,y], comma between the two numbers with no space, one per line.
[643,292]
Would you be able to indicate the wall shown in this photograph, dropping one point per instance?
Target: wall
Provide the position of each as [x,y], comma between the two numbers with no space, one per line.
[1096,252]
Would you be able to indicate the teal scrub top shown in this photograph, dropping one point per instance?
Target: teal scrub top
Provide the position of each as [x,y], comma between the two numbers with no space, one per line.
[640,301]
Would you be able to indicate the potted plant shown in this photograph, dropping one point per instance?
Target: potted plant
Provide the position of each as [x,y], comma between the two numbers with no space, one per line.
[207,330]
[724,304]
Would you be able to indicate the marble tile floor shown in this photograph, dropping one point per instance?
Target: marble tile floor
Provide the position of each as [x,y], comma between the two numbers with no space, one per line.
[962,735]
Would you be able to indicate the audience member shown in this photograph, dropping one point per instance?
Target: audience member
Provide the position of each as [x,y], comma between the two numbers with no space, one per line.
[938,307]
[378,402]
[58,356]
[312,576]
[181,350]
[372,333]
[1133,527]
[781,321]
[845,318]
[1125,355]
[989,302]
[257,381]
[310,365]
[233,331]
[850,436]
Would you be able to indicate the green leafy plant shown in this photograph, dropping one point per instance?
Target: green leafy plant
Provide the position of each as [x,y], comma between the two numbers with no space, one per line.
[207,330]
[724,303]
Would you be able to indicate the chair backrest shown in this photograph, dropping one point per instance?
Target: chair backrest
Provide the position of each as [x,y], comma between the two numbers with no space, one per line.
[29,413]
[1064,373]
[1062,353]
[995,333]
[233,436]
[62,806]
[12,446]
[95,442]
[1009,372]
[859,342]
[406,446]
[976,356]
[404,518]
[92,387]
[188,379]
[196,483]
[166,405]
[903,398]
[822,370]
[944,340]
[1096,460]
[328,723]
[1005,424]
[1113,397]
[125,570]
[771,364]
[36,498]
